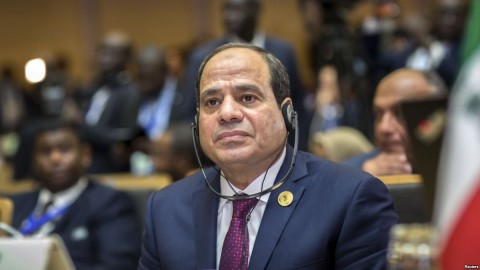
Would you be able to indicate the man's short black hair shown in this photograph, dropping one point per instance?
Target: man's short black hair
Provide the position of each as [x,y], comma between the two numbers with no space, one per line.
[48,124]
[279,80]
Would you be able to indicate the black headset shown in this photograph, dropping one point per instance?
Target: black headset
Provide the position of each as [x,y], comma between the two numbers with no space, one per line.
[291,124]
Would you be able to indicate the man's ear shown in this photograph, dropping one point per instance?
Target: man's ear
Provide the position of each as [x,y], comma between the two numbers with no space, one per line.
[288,114]
[286,101]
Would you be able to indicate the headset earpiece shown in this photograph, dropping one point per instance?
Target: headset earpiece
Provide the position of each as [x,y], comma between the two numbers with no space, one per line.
[288,116]
[195,126]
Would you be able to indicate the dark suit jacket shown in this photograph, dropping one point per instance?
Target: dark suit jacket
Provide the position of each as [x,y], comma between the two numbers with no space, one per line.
[282,50]
[339,219]
[117,123]
[107,215]
[447,69]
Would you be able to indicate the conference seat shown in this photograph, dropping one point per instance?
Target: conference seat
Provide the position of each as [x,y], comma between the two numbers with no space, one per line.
[408,197]
[6,212]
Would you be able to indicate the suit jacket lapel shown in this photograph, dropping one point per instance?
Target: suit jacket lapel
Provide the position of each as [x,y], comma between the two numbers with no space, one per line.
[73,210]
[23,211]
[205,223]
[276,217]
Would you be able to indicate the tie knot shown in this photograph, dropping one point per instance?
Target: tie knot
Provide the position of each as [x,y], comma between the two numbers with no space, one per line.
[241,208]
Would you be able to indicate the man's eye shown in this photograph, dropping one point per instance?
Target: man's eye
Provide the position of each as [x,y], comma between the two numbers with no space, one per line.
[378,115]
[248,98]
[212,102]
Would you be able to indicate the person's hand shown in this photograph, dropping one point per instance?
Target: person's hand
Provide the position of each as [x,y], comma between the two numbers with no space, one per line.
[388,164]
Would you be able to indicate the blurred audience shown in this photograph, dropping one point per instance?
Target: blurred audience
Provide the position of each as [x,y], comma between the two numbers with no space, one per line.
[173,152]
[162,102]
[98,224]
[12,114]
[12,104]
[344,91]
[431,45]
[57,94]
[393,154]
[110,121]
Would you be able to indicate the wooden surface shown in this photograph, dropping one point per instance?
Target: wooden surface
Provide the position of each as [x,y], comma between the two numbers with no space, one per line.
[117,180]
[400,179]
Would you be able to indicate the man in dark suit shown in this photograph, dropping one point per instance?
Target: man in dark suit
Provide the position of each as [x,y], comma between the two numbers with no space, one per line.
[321,215]
[110,121]
[240,18]
[97,223]
[162,99]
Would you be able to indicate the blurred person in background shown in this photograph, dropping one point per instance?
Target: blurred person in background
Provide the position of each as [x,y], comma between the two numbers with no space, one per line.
[173,152]
[431,44]
[55,96]
[98,224]
[12,114]
[110,120]
[343,87]
[162,102]
[12,103]
[393,154]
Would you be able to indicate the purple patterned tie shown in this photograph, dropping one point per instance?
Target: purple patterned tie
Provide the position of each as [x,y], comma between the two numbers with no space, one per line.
[236,241]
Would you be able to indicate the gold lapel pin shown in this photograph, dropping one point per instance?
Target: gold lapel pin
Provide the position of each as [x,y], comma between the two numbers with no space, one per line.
[285,198]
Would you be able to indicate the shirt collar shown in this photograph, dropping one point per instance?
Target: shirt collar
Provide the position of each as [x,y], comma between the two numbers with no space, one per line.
[64,197]
[256,185]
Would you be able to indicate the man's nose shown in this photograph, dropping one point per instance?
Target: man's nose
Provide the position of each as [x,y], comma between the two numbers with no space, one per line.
[56,155]
[387,123]
[230,111]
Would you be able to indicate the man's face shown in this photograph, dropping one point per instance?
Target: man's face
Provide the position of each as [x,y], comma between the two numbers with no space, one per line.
[59,159]
[150,76]
[238,16]
[240,122]
[390,129]
[112,57]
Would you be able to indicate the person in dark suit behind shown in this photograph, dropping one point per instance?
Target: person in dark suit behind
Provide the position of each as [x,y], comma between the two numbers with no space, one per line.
[160,93]
[97,223]
[323,216]
[240,18]
[110,121]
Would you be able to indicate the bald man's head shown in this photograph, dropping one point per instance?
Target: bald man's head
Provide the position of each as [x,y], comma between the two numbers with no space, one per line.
[400,86]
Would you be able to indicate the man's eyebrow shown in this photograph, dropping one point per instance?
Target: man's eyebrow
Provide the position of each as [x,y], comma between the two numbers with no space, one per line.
[209,92]
[246,87]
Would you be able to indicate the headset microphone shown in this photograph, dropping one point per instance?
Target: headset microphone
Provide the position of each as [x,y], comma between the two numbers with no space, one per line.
[291,123]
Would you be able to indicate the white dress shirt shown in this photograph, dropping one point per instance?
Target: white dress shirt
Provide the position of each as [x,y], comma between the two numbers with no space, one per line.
[59,200]
[225,207]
